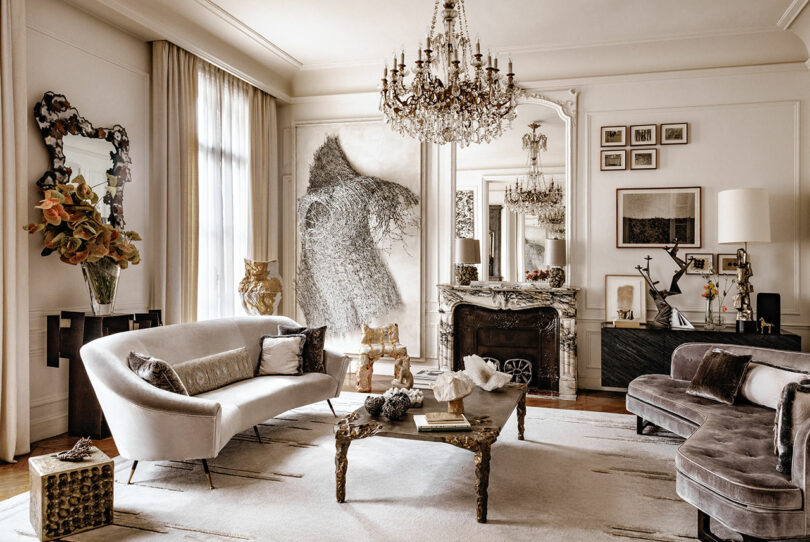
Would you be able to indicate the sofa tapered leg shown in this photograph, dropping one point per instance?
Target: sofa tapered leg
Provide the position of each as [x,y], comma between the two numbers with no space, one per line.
[132,471]
[640,425]
[258,436]
[207,473]
[704,529]
[328,402]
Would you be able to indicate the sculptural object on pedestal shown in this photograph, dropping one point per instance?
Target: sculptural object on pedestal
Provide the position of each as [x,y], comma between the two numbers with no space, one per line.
[664,318]
[742,300]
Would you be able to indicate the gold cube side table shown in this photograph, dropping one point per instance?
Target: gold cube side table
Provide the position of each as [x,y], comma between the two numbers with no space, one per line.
[68,498]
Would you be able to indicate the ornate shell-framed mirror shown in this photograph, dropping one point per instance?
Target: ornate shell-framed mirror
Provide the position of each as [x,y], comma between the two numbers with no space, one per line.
[76,147]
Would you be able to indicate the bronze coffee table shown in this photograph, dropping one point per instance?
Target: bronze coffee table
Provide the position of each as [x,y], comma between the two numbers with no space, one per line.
[486,411]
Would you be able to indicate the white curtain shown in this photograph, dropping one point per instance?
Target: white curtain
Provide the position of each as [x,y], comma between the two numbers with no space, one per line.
[14,407]
[174,182]
[223,131]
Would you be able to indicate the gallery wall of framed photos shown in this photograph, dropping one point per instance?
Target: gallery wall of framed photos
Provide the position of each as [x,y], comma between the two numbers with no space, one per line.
[614,158]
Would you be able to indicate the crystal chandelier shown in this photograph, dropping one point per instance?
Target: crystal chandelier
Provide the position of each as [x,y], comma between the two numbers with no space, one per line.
[534,196]
[453,96]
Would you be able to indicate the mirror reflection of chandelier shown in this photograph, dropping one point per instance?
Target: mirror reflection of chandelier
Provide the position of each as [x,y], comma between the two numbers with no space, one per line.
[453,96]
[534,196]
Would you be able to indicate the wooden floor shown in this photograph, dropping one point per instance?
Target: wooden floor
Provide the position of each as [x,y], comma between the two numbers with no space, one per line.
[14,476]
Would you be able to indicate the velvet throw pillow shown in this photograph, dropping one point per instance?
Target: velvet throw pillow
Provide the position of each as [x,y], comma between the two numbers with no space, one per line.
[215,371]
[719,376]
[156,372]
[313,346]
[281,355]
[793,410]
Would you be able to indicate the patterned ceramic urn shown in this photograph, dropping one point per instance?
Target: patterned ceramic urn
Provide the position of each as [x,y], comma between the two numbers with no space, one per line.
[260,290]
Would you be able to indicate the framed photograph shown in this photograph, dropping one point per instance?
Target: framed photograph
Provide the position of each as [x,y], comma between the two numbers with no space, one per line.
[657,217]
[645,134]
[614,136]
[625,298]
[675,134]
[643,158]
[700,264]
[727,264]
[613,160]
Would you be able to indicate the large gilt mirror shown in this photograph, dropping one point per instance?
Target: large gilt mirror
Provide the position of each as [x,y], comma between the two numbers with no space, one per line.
[515,242]
[76,147]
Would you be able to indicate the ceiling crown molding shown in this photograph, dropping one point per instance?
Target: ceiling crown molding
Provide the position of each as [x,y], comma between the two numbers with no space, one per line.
[790,14]
[239,25]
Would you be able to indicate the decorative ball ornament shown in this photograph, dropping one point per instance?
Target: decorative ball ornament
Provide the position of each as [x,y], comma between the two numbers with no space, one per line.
[395,407]
[374,404]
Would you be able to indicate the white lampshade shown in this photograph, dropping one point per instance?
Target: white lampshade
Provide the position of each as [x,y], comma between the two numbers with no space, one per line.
[468,251]
[555,252]
[743,216]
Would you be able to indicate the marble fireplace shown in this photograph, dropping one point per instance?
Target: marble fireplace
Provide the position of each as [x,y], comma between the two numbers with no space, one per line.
[534,324]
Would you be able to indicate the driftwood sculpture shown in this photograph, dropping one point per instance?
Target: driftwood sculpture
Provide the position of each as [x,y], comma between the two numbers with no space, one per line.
[663,320]
[78,453]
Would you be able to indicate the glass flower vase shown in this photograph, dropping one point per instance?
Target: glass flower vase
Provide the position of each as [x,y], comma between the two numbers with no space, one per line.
[102,282]
[709,321]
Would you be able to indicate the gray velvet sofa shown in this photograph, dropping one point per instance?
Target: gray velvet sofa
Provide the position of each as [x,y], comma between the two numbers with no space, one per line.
[726,468]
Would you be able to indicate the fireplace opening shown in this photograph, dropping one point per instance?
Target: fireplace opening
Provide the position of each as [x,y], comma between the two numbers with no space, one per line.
[526,342]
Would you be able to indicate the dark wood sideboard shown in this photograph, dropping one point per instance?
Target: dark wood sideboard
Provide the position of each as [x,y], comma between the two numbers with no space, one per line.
[631,352]
[85,418]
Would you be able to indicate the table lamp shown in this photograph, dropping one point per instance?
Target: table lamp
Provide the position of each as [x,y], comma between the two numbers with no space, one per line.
[555,259]
[744,216]
[468,253]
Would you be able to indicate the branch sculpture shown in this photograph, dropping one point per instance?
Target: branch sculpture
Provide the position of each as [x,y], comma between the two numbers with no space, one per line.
[663,320]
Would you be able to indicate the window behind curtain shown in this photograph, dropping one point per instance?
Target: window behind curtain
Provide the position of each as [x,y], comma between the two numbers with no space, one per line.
[223,127]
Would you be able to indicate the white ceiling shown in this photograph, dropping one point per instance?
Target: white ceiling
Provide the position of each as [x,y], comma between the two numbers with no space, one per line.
[319,33]
[295,48]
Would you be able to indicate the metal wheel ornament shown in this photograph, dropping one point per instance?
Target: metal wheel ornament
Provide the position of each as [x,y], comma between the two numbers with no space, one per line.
[520,369]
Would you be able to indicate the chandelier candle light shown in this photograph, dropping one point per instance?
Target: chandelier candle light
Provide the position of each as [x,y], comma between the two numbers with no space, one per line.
[534,196]
[452,96]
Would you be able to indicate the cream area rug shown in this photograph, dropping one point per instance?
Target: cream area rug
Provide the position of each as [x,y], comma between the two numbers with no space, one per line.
[578,476]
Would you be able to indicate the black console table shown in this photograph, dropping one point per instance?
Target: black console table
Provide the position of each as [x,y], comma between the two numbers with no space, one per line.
[631,352]
[85,418]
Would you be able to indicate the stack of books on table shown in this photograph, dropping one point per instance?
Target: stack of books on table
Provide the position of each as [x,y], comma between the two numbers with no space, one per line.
[424,378]
[441,421]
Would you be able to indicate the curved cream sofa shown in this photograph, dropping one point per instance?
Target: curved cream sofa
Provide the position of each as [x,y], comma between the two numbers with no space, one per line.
[148,423]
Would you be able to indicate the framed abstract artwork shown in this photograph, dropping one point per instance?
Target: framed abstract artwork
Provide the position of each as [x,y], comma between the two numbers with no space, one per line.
[727,264]
[625,298]
[699,264]
[657,217]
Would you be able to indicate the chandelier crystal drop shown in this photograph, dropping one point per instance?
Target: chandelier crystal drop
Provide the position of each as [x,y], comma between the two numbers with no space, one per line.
[534,195]
[453,96]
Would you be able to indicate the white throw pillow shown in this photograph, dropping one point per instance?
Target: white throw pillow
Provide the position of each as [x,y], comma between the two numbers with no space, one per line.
[763,384]
[282,355]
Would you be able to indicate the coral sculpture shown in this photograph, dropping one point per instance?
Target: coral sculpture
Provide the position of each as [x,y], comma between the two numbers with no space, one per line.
[484,374]
[414,396]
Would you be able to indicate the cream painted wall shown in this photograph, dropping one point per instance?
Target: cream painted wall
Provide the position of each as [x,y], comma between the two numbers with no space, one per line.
[105,75]
[748,127]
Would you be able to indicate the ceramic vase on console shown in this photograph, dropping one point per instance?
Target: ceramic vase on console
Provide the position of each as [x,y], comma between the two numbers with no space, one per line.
[260,289]
[102,282]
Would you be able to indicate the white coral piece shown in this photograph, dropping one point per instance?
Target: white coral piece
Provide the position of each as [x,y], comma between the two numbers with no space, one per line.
[450,386]
[484,373]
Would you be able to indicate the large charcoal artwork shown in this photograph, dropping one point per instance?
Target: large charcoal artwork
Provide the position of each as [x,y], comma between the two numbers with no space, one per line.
[346,222]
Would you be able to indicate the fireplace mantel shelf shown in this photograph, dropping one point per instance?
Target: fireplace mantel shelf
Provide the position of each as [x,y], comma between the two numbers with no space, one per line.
[514,298]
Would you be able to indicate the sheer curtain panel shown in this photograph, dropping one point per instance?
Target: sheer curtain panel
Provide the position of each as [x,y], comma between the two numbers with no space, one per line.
[174,181]
[14,407]
[223,131]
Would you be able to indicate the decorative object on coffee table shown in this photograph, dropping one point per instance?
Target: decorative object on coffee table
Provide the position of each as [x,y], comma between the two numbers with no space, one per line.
[744,216]
[403,378]
[487,413]
[414,396]
[453,387]
[484,373]
[556,259]
[664,318]
[395,406]
[70,497]
[260,289]
[468,255]
[374,404]
[377,342]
